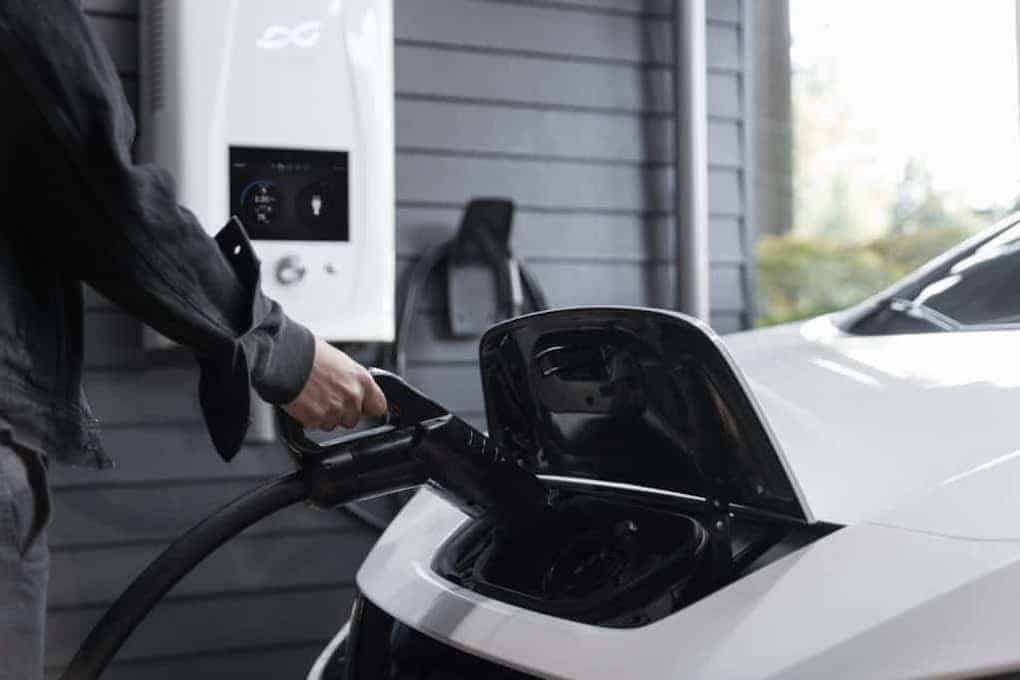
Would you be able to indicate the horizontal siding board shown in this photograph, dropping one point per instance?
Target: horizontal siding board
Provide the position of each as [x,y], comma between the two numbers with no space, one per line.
[607,88]
[547,236]
[549,133]
[477,128]
[574,284]
[540,236]
[661,8]
[432,72]
[457,387]
[430,342]
[425,178]
[97,576]
[192,626]
[148,454]
[151,395]
[570,284]
[429,179]
[550,30]
[158,514]
[555,32]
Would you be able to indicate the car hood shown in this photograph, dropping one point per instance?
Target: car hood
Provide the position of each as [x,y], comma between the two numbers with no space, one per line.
[868,424]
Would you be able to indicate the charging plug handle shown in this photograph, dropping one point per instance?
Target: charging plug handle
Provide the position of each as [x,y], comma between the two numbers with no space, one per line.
[462,464]
[367,464]
[423,442]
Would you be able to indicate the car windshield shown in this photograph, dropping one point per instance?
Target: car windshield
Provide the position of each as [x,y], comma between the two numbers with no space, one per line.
[977,288]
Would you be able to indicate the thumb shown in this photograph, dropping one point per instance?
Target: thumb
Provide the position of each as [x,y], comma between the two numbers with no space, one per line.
[374,403]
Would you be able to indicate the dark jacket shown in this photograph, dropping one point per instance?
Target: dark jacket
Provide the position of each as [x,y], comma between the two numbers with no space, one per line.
[76,209]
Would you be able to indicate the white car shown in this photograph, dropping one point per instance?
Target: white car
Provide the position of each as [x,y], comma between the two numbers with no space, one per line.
[833,498]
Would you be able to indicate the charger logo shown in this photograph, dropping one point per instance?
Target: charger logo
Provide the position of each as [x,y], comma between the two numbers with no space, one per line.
[276,37]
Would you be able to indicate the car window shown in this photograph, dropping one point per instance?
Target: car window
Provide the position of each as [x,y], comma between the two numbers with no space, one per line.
[980,289]
[983,288]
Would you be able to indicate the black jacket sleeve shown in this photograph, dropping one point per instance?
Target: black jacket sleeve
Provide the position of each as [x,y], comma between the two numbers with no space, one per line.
[126,236]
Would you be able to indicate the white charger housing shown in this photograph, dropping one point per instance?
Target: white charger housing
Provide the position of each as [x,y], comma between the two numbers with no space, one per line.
[281,112]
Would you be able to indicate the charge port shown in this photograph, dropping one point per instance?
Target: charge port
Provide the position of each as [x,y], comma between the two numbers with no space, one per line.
[596,561]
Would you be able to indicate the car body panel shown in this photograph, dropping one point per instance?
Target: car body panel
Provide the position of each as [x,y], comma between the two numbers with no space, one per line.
[826,607]
[867,422]
[980,504]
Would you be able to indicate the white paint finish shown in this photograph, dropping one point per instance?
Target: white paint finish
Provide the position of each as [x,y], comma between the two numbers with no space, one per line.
[867,422]
[981,504]
[285,74]
[827,607]
[971,631]
[328,652]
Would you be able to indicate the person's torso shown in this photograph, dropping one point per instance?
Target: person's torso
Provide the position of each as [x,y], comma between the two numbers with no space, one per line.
[41,398]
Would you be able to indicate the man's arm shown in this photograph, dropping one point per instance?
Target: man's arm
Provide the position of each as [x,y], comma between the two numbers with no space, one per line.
[130,240]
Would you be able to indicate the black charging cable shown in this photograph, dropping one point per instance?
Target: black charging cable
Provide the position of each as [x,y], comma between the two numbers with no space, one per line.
[135,603]
[372,462]
[422,443]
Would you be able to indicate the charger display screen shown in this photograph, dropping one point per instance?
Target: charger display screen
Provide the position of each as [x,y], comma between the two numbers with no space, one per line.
[290,194]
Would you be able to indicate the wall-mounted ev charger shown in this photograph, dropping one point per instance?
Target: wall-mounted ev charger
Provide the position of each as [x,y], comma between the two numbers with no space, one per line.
[281,112]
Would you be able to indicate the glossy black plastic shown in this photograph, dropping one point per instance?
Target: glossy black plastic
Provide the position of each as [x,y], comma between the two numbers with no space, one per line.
[636,396]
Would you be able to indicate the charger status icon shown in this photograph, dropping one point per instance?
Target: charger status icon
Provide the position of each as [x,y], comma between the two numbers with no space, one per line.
[314,204]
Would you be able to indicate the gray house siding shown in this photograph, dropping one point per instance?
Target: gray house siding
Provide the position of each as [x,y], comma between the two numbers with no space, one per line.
[563,105]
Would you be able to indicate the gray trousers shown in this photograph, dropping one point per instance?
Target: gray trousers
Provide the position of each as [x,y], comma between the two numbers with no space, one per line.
[24,563]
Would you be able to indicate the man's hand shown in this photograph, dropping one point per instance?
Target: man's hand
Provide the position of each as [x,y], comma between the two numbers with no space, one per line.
[338,392]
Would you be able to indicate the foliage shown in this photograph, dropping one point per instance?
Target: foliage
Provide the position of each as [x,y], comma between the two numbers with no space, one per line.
[868,210]
[804,276]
